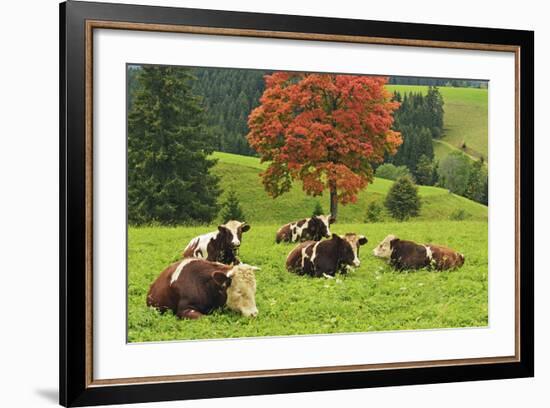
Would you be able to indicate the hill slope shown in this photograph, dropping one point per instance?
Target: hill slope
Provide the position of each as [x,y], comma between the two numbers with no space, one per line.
[466,118]
[241,173]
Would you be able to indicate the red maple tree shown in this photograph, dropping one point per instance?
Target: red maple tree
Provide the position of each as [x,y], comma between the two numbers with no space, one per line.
[323,129]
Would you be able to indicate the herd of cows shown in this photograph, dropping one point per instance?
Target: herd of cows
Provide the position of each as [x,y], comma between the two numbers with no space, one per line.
[211,275]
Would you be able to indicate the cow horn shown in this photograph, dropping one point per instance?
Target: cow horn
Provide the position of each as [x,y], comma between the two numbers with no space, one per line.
[251,267]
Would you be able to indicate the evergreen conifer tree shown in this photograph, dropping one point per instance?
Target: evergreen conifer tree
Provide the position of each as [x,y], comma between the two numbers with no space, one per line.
[168,169]
[318,209]
[232,208]
[424,171]
[402,200]
[434,107]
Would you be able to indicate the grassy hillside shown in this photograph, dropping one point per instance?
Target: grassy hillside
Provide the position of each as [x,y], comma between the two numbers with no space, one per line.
[466,118]
[241,174]
[371,298]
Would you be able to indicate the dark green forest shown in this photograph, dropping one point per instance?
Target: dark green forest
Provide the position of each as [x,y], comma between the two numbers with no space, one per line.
[462,83]
[419,119]
[229,96]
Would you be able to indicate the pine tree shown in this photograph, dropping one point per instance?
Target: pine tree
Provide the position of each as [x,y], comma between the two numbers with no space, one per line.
[424,171]
[168,169]
[232,208]
[434,107]
[402,200]
[318,209]
[435,173]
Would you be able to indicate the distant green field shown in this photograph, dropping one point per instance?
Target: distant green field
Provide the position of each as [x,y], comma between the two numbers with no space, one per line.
[371,298]
[241,174]
[466,117]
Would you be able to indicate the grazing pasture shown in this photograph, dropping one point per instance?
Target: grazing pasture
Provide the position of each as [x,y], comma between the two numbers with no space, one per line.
[371,298]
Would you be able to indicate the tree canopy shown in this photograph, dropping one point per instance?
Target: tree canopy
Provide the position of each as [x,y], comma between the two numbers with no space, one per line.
[325,130]
[168,170]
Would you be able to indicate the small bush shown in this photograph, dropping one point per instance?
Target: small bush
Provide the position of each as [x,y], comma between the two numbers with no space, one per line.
[318,209]
[232,208]
[392,172]
[402,200]
[459,215]
[374,212]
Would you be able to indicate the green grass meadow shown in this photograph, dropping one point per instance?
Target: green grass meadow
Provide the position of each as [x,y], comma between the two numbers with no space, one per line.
[371,298]
[466,118]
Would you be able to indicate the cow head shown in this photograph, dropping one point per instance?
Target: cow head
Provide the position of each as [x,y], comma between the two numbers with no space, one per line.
[385,248]
[241,295]
[350,248]
[231,233]
[320,225]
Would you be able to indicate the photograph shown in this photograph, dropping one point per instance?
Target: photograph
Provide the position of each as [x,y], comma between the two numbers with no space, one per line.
[255,203]
[267,203]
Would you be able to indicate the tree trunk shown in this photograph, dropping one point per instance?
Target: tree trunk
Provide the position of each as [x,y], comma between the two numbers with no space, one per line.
[333,202]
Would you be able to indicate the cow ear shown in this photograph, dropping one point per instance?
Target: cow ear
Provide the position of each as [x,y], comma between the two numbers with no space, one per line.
[362,240]
[221,228]
[220,278]
[331,220]
[393,242]
[245,227]
[336,236]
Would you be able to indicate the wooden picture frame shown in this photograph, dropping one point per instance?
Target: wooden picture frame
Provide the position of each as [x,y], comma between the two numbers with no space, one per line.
[78,20]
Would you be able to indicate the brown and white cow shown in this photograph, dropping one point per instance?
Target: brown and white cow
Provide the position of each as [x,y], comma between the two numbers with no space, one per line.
[219,246]
[325,258]
[194,287]
[410,255]
[314,228]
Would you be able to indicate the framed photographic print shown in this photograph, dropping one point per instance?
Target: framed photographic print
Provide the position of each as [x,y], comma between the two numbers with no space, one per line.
[255,203]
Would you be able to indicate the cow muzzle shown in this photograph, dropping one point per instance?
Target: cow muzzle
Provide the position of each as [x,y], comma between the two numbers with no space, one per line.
[250,312]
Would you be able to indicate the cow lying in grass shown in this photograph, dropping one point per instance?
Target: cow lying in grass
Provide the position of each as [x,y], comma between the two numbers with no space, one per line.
[325,258]
[195,287]
[314,228]
[219,246]
[410,255]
